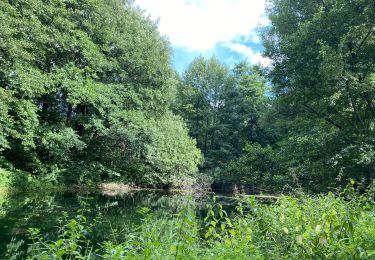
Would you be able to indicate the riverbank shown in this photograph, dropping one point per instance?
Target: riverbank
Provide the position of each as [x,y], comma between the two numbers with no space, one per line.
[13,181]
[323,227]
[150,223]
[20,181]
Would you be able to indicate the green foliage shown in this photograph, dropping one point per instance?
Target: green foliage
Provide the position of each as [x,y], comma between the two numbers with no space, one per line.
[89,84]
[320,121]
[4,178]
[222,108]
[327,226]
[59,144]
[72,241]
[323,90]
[167,153]
[16,180]
[323,227]
[257,168]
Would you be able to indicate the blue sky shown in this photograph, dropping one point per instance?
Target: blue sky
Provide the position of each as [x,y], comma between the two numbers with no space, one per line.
[183,56]
[223,28]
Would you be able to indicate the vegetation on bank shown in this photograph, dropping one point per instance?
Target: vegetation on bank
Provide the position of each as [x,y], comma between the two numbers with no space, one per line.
[318,227]
[86,91]
[18,181]
[313,124]
[88,95]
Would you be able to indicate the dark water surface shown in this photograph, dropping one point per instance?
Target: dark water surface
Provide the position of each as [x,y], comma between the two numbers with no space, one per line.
[42,210]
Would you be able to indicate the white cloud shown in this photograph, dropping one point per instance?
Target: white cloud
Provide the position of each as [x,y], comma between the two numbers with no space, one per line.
[200,24]
[254,57]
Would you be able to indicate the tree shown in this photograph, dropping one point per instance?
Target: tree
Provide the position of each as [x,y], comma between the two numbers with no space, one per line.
[222,108]
[322,74]
[74,77]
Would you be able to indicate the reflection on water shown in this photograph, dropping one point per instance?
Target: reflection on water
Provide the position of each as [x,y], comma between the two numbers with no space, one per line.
[19,212]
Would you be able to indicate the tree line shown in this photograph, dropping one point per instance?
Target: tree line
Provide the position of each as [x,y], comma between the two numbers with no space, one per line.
[88,94]
[86,90]
[308,120]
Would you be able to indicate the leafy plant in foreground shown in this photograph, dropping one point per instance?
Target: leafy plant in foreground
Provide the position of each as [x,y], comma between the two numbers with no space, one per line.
[300,227]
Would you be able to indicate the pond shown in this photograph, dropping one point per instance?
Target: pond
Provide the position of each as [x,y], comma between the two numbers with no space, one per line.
[43,210]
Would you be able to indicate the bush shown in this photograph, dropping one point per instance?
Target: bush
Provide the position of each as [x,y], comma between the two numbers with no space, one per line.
[17,180]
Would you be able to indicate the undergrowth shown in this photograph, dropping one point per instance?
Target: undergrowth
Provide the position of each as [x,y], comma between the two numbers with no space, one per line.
[330,226]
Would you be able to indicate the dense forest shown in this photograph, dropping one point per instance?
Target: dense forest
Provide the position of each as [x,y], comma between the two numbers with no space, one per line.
[89,97]
[87,89]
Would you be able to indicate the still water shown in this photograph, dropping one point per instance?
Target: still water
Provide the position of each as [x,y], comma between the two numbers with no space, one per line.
[19,212]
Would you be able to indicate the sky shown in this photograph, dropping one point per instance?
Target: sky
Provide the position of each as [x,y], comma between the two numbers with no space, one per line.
[226,29]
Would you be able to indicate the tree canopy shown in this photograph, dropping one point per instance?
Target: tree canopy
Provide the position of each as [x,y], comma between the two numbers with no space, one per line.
[89,84]
[322,114]
[319,126]
[222,107]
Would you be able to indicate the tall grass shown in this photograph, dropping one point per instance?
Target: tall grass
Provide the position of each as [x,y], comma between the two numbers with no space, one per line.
[330,226]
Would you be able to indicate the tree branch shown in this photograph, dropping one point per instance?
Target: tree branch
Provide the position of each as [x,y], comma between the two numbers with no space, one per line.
[364,39]
[325,117]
